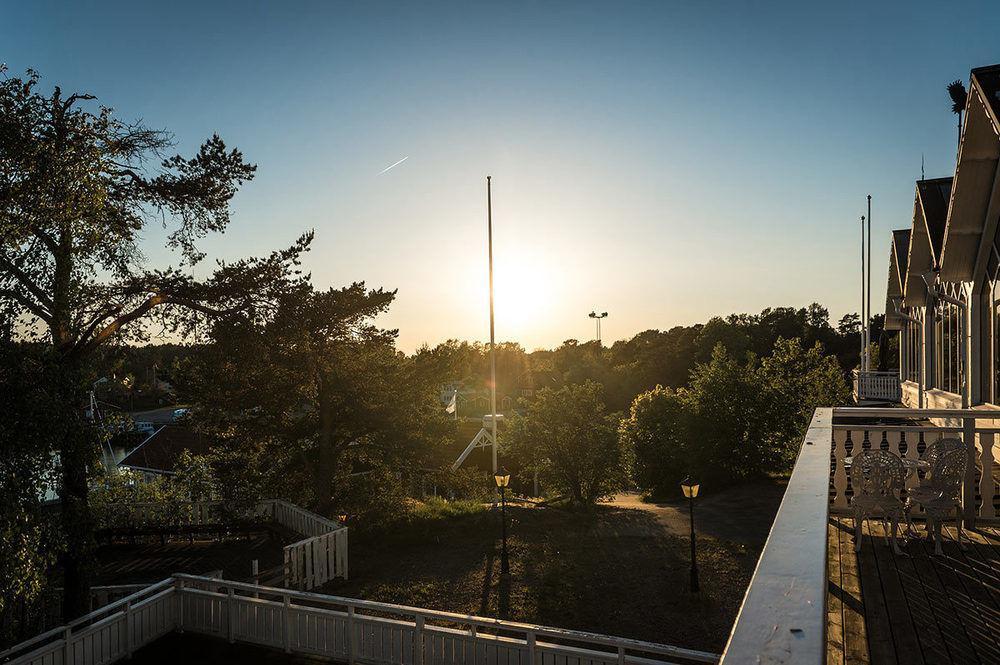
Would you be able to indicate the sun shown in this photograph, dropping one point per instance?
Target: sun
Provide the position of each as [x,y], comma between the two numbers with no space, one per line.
[524,293]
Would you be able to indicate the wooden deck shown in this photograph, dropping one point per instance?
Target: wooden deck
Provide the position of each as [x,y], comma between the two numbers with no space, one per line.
[917,609]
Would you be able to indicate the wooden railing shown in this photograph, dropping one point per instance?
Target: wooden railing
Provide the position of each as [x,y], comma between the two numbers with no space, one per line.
[318,558]
[308,563]
[104,636]
[861,430]
[877,386]
[344,629]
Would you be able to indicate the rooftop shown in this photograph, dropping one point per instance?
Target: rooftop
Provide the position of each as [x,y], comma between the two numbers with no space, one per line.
[159,452]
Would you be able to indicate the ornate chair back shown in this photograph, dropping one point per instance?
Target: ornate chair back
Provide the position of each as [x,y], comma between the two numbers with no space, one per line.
[947,474]
[876,475]
[936,450]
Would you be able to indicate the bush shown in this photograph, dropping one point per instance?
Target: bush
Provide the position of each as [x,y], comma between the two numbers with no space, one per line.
[569,439]
[658,431]
[436,508]
[372,499]
[463,484]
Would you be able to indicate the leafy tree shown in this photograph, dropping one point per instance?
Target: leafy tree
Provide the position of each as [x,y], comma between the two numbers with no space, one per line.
[28,541]
[337,393]
[731,416]
[849,324]
[737,420]
[799,381]
[658,430]
[958,95]
[567,436]
[77,187]
[732,333]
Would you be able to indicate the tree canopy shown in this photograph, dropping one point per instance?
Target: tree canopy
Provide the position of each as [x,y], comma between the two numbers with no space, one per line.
[78,185]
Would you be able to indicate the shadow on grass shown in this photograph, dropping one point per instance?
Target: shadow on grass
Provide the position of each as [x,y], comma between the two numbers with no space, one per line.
[611,570]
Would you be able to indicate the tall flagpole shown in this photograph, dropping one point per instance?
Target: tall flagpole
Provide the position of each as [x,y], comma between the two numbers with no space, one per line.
[868,317]
[493,355]
[864,327]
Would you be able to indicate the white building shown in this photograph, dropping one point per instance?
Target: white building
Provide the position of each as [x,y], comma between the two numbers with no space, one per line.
[943,295]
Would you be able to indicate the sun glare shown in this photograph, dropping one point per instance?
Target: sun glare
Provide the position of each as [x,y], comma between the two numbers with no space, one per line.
[524,292]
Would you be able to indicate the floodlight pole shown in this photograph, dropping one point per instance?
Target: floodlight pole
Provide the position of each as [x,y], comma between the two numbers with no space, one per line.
[493,355]
[597,317]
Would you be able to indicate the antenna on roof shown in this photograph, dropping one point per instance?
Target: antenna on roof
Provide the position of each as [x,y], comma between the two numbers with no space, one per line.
[922,166]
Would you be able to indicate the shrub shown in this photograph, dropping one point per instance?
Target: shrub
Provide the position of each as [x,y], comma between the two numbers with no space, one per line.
[658,430]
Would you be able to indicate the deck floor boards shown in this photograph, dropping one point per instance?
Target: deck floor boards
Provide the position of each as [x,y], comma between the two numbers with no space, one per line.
[916,608]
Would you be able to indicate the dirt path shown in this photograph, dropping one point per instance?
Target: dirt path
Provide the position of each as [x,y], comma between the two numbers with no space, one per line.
[741,514]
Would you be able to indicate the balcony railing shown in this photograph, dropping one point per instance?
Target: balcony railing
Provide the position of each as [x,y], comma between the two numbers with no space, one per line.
[876,387]
[784,613]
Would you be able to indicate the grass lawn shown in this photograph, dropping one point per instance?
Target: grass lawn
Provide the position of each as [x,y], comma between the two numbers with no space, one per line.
[616,570]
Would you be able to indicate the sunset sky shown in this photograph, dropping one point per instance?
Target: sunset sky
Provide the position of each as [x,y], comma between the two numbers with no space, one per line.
[663,161]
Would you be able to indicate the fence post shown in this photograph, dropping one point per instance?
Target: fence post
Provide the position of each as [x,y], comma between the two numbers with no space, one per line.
[179,595]
[128,628]
[350,635]
[969,483]
[418,641]
[531,647]
[67,647]
[621,655]
[255,573]
[287,602]
[231,614]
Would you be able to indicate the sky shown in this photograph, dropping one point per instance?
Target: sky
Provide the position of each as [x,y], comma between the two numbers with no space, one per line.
[664,162]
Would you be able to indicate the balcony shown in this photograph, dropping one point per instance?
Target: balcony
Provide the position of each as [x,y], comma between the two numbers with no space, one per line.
[878,387]
[814,600]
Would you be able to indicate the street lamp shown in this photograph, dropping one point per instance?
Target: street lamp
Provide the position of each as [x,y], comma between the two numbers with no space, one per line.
[598,317]
[502,477]
[690,488]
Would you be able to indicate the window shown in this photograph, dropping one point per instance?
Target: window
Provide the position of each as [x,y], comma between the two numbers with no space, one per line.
[989,346]
[949,327]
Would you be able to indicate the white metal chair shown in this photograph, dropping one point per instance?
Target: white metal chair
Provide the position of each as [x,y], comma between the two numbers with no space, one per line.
[939,493]
[935,450]
[877,478]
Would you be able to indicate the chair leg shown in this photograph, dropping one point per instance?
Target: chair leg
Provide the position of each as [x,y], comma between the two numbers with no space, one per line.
[895,543]
[911,528]
[937,538]
[959,521]
[857,532]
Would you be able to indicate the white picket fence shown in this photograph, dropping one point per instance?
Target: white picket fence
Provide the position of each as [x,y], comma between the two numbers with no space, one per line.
[340,628]
[309,563]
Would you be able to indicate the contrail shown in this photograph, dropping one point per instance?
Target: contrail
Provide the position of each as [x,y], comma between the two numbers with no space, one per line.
[394,165]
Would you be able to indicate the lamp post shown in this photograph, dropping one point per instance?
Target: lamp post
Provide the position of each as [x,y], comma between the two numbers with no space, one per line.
[690,488]
[502,477]
[598,317]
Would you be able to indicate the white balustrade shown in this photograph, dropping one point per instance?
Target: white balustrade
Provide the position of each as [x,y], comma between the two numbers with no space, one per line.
[877,386]
[980,492]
